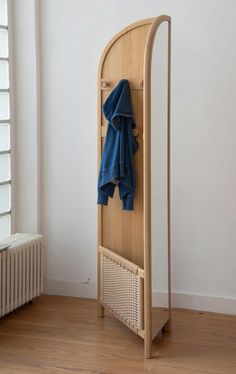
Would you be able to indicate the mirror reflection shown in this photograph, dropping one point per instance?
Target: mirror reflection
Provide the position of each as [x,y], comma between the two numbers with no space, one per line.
[159,173]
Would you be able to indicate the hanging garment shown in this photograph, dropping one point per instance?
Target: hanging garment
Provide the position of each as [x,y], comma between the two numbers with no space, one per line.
[117,167]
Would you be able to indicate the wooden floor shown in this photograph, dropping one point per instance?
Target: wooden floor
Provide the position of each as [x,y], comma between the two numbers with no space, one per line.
[63,335]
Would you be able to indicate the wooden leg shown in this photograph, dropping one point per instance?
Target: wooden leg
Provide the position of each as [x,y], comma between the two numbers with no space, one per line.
[148,348]
[100,311]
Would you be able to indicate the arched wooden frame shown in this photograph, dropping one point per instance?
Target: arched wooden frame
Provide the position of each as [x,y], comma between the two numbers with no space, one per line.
[128,234]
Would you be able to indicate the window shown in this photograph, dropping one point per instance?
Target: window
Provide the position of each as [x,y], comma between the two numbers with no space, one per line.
[5,146]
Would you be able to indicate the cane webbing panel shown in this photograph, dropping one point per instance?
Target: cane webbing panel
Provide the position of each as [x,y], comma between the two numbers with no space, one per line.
[121,290]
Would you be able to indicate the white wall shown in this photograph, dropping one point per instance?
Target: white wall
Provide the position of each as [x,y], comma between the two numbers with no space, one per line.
[73,34]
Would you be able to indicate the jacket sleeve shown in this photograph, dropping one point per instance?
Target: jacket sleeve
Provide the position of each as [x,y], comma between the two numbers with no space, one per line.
[102,198]
[128,201]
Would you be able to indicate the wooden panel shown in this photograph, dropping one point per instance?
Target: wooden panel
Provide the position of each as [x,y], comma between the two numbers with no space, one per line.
[122,231]
[125,58]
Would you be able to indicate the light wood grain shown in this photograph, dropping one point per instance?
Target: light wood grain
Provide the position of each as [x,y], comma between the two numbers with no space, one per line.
[124,58]
[118,230]
[133,268]
[63,335]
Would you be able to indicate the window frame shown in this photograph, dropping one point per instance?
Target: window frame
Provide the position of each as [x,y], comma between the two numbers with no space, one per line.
[10,121]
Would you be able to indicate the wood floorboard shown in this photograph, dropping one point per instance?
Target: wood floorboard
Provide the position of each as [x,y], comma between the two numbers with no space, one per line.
[63,335]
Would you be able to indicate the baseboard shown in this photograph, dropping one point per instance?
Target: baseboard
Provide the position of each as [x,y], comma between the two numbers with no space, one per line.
[65,288]
[207,303]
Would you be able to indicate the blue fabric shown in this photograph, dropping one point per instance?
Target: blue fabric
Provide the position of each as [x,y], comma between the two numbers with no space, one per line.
[117,167]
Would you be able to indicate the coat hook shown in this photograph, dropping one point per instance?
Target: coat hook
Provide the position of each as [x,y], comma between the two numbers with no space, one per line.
[135,132]
[104,84]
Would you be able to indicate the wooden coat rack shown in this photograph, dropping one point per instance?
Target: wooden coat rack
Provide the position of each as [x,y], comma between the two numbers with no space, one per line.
[124,238]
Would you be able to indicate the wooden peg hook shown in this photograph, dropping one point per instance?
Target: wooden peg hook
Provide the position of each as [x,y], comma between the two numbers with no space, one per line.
[104,84]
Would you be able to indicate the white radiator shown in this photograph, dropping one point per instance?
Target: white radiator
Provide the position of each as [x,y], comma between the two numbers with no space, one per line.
[21,271]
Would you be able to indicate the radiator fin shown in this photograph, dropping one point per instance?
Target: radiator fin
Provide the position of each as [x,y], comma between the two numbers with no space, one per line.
[21,275]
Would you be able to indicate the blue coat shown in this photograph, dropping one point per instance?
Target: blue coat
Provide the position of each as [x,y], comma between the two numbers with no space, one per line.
[117,168]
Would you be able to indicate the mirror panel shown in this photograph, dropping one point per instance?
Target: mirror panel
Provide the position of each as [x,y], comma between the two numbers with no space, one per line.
[159,178]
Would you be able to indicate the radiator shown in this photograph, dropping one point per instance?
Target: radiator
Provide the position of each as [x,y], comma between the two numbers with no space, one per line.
[21,271]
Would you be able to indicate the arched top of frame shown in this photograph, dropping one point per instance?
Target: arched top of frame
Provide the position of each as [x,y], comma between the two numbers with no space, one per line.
[128,54]
[123,57]
[149,43]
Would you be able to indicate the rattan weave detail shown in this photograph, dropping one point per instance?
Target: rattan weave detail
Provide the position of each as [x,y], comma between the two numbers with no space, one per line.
[122,291]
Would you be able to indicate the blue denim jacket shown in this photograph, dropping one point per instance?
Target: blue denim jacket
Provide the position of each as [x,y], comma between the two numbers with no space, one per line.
[117,167]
